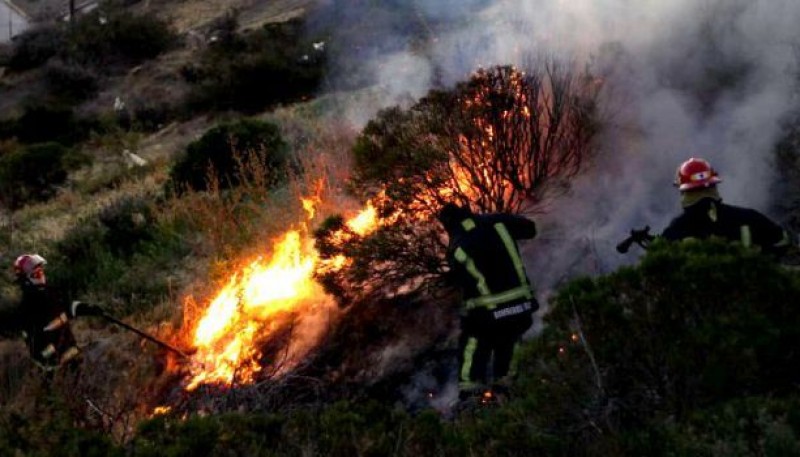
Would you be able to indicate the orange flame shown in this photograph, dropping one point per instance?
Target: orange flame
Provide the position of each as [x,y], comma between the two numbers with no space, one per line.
[257,299]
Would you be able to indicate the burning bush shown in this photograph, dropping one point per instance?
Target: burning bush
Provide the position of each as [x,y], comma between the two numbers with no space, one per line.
[502,141]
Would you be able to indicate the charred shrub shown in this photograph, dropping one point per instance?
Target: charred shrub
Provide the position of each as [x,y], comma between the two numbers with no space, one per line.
[34,173]
[251,72]
[223,152]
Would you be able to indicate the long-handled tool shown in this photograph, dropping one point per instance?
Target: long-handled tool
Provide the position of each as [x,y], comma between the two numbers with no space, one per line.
[144,335]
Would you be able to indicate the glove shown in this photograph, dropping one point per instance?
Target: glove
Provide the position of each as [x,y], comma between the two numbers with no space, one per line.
[80,308]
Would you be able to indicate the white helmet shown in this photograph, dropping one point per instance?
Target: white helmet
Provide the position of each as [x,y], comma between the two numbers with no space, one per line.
[28,265]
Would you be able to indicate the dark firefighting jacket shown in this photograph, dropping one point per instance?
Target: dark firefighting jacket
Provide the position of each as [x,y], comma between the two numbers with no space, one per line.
[43,321]
[485,261]
[710,217]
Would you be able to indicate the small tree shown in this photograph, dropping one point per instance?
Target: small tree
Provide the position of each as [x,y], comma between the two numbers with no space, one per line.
[502,141]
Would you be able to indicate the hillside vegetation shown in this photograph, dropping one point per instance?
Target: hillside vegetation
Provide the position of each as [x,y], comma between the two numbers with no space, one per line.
[150,148]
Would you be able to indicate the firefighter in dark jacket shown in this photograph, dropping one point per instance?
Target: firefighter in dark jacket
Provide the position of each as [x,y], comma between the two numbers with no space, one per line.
[498,299]
[704,215]
[41,319]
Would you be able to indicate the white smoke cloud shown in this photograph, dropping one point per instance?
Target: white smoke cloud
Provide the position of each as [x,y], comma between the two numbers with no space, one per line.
[709,78]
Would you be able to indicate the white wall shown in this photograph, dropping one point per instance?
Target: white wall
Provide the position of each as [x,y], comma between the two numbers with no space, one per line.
[11,22]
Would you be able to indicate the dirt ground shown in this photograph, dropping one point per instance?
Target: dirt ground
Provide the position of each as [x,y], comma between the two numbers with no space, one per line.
[195,14]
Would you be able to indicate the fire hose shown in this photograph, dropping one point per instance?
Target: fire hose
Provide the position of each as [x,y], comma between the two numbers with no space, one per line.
[144,335]
[642,237]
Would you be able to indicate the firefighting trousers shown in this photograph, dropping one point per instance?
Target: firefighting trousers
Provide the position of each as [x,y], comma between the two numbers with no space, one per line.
[491,337]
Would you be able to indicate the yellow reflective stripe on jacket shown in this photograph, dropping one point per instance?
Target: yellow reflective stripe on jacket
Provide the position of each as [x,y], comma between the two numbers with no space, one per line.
[469,264]
[468,224]
[511,248]
[746,236]
[491,301]
[469,354]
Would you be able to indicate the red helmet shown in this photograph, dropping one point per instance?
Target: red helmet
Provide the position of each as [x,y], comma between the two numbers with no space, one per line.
[26,263]
[695,173]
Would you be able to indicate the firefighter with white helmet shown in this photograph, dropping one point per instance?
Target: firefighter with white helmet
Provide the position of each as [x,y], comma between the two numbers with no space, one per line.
[43,319]
[704,215]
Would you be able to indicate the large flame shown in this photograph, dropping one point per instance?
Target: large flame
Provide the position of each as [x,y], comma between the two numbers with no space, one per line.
[244,312]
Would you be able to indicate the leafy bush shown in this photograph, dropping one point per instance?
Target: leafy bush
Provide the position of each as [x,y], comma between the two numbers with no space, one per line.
[71,83]
[112,36]
[34,173]
[129,222]
[107,38]
[54,435]
[5,54]
[116,256]
[249,73]
[696,325]
[36,46]
[43,122]
[226,151]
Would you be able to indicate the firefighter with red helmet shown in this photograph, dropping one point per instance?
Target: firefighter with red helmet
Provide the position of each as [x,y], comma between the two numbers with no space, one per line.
[704,215]
[41,318]
[498,299]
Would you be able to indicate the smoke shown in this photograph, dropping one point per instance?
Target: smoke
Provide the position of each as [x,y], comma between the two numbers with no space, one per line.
[711,79]
[684,78]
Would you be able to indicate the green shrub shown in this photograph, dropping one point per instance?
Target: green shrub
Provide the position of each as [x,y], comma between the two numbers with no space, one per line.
[34,173]
[121,256]
[249,73]
[696,325]
[6,52]
[52,432]
[107,39]
[42,122]
[70,83]
[226,149]
[82,259]
[748,426]
[36,46]
[109,36]
[129,222]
